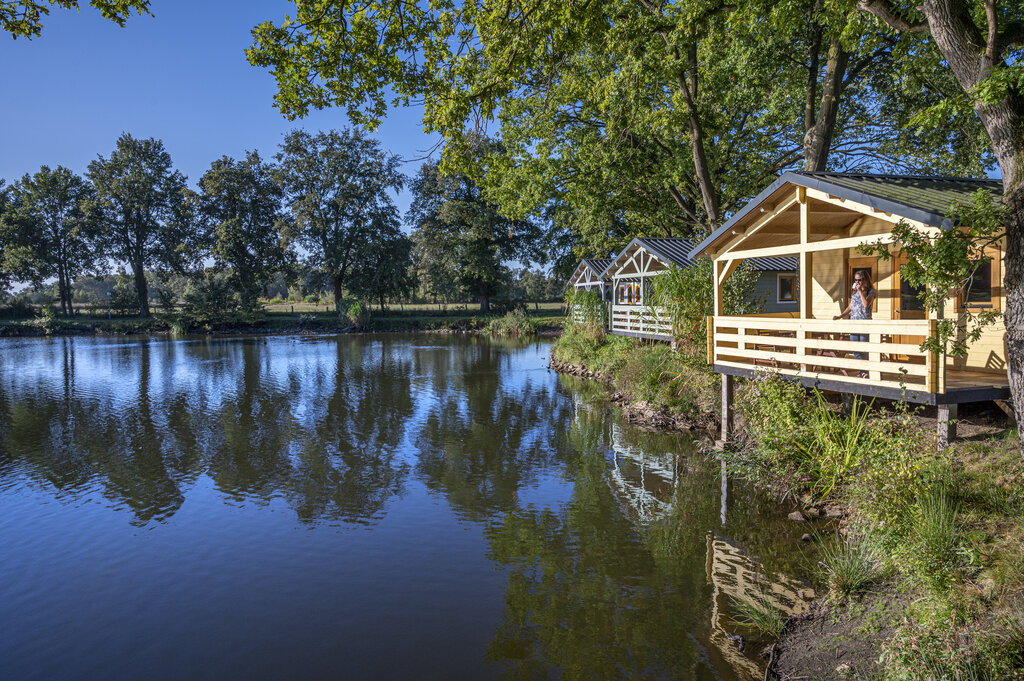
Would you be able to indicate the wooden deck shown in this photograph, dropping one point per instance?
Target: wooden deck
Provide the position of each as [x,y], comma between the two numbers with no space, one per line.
[820,353]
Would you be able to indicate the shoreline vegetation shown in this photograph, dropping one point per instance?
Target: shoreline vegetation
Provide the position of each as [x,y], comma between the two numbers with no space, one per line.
[919,553]
[537,318]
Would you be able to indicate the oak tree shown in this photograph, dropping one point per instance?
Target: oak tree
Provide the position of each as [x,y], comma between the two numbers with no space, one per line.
[147,211]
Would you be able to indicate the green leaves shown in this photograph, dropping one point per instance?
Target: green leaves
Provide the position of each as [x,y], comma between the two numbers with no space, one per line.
[24,18]
[337,186]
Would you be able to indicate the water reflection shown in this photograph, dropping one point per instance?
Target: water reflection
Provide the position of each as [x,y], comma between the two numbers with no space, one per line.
[620,552]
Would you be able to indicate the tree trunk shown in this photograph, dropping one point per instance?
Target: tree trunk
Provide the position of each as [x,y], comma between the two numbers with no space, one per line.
[708,190]
[818,138]
[336,281]
[1013,316]
[485,303]
[141,289]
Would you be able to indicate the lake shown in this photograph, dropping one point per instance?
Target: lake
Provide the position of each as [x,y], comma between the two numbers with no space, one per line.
[362,507]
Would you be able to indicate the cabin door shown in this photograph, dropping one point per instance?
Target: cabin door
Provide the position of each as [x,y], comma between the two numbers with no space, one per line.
[907,303]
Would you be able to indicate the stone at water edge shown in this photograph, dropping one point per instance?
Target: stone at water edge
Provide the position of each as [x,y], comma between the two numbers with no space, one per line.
[812,512]
[797,517]
[806,538]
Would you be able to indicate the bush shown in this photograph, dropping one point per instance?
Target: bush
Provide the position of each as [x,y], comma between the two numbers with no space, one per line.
[513,324]
[919,653]
[208,298]
[934,546]
[585,310]
[358,314]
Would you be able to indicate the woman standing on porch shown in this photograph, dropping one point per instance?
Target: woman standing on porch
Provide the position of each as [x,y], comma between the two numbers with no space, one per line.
[861,301]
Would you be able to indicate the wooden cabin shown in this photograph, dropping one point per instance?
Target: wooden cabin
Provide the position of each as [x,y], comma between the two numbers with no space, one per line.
[631,271]
[589,276]
[822,219]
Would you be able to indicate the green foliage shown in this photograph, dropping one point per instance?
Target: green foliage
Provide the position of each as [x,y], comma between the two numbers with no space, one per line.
[124,297]
[943,264]
[585,310]
[146,209]
[47,231]
[464,235]
[385,269]
[514,323]
[933,552]
[338,187]
[358,314]
[24,18]
[805,442]
[924,653]
[209,298]
[241,204]
[647,372]
[688,298]
[852,562]
[760,615]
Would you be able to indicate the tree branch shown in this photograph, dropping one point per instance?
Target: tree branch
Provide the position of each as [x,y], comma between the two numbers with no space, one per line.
[884,11]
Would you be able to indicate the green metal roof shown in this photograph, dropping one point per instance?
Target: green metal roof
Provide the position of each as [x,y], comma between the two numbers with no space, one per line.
[935,195]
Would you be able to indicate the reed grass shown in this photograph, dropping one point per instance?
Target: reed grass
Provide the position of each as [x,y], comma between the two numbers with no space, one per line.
[760,615]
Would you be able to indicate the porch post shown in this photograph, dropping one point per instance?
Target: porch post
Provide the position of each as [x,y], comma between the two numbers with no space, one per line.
[806,263]
[728,410]
[945,423]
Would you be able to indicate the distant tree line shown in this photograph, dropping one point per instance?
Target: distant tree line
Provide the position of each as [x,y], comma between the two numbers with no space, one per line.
[318,222]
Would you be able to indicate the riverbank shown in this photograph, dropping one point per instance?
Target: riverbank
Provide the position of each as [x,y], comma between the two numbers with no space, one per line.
[543,322]
[923,573]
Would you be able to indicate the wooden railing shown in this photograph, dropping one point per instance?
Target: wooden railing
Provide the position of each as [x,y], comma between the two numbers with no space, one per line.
[640,319]
[890,356]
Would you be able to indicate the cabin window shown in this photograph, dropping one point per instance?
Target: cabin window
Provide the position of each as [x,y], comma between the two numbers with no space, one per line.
[629,294]
[787,288]
[638,296]
[980,291]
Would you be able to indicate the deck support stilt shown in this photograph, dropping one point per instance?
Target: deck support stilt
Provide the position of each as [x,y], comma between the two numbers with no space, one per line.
[945,424]
[728,410]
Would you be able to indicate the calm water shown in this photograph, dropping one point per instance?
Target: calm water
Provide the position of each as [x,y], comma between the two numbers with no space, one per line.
[359,507]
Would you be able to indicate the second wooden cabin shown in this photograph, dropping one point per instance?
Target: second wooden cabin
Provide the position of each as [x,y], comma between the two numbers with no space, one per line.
[630,275]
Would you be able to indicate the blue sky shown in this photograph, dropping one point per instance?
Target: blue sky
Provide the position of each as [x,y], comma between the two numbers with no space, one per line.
[180,76]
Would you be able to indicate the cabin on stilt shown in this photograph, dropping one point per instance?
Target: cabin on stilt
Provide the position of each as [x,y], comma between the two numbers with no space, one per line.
[589,276]
[631,273]
[822,218]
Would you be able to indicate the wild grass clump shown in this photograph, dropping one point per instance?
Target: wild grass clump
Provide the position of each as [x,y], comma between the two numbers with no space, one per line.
[851,563]
[934,546]
[760,615]
[514,323]
[937,653]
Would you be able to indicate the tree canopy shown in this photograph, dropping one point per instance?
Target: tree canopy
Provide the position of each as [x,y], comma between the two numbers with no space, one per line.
[49,232]
[338,186]
[147,211]
[465,234]
[24,18]
[242,206]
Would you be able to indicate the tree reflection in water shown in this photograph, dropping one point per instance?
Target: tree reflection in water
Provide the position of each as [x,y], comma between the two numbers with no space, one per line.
[601,530]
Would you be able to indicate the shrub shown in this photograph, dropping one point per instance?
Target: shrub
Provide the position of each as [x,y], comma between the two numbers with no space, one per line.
[777,416]
[918,653]
[358,314]
[514,323]
[585,310]
[208,298]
